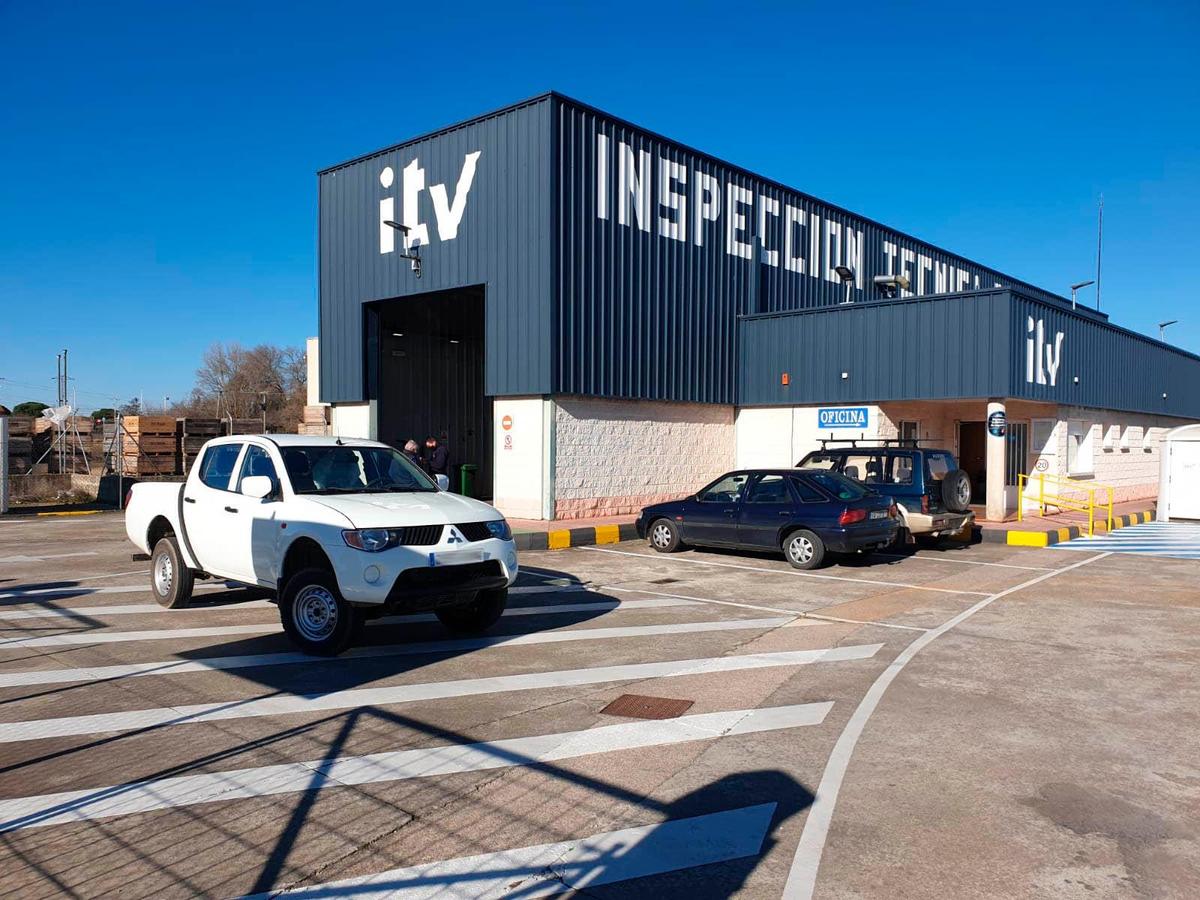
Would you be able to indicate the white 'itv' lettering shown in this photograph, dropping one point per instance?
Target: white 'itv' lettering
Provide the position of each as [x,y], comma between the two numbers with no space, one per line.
[1041,358]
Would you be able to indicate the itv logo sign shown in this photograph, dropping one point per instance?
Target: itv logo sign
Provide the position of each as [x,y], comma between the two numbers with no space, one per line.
[842,417]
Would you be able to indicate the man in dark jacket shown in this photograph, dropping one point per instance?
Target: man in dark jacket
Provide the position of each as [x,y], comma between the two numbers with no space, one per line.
[437,462]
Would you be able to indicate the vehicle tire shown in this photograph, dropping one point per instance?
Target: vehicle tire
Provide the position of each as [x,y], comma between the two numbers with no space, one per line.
[930,541]
[477,616]
[900,541]
[956,491]
[663,536]
[803,549]
[315,615]
[171,580]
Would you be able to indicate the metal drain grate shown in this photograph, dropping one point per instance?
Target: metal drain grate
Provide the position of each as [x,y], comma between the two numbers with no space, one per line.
[636,706]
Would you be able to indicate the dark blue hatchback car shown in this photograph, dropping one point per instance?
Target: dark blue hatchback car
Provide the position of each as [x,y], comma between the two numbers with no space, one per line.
[804,514]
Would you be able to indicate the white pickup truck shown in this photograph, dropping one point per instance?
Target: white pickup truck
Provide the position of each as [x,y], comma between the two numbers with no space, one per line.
[340,530]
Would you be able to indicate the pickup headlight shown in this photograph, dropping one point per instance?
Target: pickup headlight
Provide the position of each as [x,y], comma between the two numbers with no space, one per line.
[372,540]
[499,529]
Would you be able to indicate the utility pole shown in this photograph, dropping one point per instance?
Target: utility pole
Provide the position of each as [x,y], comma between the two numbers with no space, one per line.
[1099,248]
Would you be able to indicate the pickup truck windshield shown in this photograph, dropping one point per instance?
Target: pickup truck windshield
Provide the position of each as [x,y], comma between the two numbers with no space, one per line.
[352,470]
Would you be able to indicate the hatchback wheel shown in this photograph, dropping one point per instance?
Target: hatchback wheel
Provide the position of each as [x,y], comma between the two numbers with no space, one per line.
[803,549]
[664,536]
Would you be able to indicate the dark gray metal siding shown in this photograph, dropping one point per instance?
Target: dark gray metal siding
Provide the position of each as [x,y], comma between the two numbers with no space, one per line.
[920,348]
[503,242]
[1117,368]
[644,315]
[951,346]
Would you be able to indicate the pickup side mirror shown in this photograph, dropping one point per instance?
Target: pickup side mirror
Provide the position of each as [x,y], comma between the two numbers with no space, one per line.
[258,486]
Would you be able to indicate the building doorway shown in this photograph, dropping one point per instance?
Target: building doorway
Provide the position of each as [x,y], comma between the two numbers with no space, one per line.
[428,377]
[972,457]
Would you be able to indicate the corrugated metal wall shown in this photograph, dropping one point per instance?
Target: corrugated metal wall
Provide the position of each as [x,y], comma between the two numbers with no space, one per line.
[648,288]
[1116,368]
[919,348]
[503,242]
[965,345]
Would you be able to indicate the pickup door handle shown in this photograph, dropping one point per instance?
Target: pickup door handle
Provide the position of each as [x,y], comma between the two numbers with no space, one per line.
[189,499]
[231,509]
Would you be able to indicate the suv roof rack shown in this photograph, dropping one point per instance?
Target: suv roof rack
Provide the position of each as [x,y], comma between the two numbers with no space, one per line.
[876,442]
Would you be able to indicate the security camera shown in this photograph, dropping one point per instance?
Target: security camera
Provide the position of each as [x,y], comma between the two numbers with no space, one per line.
[890,285]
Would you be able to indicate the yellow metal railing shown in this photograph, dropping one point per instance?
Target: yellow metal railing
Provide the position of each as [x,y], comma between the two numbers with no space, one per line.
[1050,493]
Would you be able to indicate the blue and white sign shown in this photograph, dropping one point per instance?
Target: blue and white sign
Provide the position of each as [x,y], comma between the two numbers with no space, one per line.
[842,417]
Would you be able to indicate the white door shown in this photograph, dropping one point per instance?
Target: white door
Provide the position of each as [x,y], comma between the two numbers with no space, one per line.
[252,534]
[210,507]
[1184,495]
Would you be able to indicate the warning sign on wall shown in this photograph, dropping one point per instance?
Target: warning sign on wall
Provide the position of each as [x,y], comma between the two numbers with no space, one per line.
[506,423]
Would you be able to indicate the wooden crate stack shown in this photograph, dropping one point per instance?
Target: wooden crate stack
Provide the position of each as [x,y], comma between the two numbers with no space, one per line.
[243,426]
[148,445]
[316,421]
[191,434]
[20,444]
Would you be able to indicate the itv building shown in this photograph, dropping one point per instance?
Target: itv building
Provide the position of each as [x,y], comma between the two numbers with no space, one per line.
[598,318]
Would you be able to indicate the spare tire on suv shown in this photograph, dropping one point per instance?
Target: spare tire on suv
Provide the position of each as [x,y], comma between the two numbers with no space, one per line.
[956,491]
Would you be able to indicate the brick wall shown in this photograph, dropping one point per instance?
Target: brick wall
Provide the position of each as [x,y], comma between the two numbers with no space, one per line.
[1130,461]
[612,457]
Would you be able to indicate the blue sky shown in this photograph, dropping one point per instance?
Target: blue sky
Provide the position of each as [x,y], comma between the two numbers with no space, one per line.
[159,160]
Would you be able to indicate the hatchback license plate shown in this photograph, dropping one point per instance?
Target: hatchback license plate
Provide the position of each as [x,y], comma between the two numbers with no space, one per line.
[879,514]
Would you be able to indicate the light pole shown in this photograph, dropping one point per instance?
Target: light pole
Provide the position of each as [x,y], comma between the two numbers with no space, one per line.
[1162,328]
[846,274]
[1076,287]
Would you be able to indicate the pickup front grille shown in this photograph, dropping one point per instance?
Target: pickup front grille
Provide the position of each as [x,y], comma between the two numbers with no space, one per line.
[419,535]
[474,531]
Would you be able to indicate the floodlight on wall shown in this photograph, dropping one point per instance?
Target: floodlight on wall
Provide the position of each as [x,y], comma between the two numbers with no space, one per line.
[414,255]
[890,285]
[846,274]
[1075,287]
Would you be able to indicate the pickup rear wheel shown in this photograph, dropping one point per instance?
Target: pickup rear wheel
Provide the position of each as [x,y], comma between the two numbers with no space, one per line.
[170,579]
[315,615]
[477,616]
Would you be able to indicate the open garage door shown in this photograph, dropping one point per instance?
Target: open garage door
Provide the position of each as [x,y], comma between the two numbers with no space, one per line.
[429,378]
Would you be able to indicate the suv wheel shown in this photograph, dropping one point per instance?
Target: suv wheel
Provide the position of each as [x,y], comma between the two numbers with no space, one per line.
[956,491]
[803,549]
[477,616]
[170,580]
[315,615]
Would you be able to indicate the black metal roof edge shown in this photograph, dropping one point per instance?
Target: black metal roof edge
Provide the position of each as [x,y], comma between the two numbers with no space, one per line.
[445,129]
[1082,312]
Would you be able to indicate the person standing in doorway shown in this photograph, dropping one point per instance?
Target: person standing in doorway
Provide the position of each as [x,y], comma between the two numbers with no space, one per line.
[412,452]
[437,462]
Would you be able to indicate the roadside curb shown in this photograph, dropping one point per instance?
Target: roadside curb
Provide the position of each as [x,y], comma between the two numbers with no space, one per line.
[575,537]
[1050,536]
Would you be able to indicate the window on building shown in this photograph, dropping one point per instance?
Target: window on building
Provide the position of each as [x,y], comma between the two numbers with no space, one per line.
[1079,448]
[1016,451]
[910,430]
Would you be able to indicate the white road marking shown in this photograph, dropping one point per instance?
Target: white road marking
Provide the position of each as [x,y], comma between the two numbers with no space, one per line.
[778,609]
[289,704]
[74,592]
[549,869]
[1178,540]
[802,876]
[92,804]
[41,557]
[75,612]
[458,645]
[703,562]
[962,562]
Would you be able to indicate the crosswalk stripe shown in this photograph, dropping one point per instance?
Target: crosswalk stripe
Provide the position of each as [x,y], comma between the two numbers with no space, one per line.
[545,870]
[78,612]
[80,638]
[1170,539]
[220,663]
[396,765]
[277,705]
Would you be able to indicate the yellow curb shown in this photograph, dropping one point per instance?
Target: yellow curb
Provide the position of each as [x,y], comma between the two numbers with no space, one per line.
[1028,539]
[558,540]
[608,534]
[80,512]
[1064,535]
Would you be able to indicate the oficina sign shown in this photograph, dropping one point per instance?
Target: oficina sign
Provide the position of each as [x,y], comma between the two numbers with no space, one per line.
[842,417]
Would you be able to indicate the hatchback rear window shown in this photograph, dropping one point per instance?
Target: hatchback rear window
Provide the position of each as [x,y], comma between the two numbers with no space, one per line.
[840,487]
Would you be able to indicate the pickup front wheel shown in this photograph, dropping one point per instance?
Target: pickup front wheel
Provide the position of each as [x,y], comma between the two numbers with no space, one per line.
[170,579]
[315,615]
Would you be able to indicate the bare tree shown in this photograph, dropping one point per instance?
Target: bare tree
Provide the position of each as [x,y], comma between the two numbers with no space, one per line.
[237,381]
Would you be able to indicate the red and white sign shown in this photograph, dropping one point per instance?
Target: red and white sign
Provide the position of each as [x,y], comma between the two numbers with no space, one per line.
[506,423]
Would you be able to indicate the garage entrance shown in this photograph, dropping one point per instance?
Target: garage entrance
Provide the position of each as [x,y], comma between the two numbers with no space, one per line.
[429,378]
[972,457]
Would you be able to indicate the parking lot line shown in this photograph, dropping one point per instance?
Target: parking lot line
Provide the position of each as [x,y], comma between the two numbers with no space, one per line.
[549,869]
[456,645]
[278,705]
[802,876]
[963,562]
[778,609]
[395,765]
[96,636]
[789,571]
